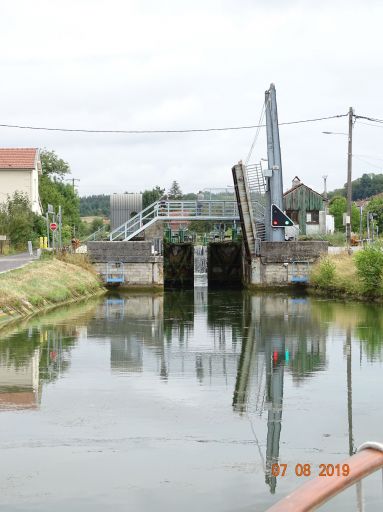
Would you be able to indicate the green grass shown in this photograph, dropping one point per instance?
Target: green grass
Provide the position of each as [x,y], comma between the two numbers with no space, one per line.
[46,283]
[339,275]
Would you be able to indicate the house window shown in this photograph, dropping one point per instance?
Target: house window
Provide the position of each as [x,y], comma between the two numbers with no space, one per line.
[293,214]
[312,217]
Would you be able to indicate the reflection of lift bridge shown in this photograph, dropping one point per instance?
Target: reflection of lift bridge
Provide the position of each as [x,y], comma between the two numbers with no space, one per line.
[265,354]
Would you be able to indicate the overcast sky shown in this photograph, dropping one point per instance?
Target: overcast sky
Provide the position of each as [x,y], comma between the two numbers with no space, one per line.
[126,64]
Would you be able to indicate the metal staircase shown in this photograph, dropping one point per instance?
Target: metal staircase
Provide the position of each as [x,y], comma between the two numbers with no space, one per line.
[249,185]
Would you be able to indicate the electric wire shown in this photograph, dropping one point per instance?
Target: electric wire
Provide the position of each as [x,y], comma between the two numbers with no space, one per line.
[370,124]
[186,130]
[373,119]
[375,166]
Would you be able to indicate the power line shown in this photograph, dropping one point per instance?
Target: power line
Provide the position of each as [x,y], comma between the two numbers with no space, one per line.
[373,119]
[367,162]
[370,124]
[188,130]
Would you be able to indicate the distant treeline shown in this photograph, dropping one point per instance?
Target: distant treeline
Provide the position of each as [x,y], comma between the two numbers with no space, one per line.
[98,205]
[362,188]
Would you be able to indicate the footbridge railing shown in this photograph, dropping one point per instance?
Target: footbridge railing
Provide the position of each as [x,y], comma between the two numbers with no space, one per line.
[172,210]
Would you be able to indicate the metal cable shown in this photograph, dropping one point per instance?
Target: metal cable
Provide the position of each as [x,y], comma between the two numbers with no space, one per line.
[256,133]
[188,130]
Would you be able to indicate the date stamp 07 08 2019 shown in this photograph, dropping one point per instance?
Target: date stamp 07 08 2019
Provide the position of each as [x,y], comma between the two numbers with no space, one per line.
[325,470]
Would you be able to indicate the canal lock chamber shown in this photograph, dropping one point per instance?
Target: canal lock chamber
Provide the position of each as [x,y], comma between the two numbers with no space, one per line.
[216,265]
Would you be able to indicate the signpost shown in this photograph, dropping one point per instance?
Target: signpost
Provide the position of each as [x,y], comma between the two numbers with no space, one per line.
[54,228]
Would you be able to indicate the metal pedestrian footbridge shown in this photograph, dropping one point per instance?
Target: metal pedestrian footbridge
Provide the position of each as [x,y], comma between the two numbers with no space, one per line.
[172,210]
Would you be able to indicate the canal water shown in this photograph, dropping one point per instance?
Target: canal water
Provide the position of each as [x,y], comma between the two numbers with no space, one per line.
[183,401]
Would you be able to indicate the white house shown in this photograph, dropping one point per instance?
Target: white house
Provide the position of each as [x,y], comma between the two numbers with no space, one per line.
[19,171]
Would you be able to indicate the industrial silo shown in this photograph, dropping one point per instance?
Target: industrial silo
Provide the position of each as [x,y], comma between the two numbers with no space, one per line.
[123,207]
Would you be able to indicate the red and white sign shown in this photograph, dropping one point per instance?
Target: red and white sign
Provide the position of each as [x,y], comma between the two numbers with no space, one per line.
[53,226]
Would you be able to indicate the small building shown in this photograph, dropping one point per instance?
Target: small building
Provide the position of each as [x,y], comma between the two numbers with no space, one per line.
[306,208]
[19,172]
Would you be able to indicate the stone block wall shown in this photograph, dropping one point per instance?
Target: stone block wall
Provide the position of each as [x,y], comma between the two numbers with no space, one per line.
[125,252]
[280,262]
[282,252]
[138,274]
[141,267]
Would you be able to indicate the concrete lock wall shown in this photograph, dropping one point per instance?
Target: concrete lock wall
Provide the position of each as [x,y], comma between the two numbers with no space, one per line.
[280,263]
[141,267]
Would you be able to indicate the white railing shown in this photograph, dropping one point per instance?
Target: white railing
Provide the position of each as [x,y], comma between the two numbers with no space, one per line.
[97,235]
[169,210]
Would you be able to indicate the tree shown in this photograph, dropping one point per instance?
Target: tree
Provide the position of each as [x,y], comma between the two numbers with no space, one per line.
[52,165]
[54,191]
[18,222]
[96,224]
[375,206]
[151,196]
[95,205]
[368,185]
[338,206]
[175,191]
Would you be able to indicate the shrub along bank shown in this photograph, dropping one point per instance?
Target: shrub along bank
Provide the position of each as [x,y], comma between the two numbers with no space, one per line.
[44,284]
[359,275]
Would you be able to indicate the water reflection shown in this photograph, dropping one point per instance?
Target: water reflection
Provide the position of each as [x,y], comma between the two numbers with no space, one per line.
[281,334]
[40,354]
[246,357]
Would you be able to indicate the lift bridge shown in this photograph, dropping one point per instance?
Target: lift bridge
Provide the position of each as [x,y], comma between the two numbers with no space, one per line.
[247,206]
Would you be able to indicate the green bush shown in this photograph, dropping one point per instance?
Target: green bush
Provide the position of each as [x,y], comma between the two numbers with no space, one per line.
[324,274]
[369,266]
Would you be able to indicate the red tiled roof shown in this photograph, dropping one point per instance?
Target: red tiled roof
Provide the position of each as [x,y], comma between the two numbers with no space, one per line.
[17,158]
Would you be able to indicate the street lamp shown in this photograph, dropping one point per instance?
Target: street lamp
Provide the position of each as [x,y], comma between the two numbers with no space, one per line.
[335,133]
[349,172]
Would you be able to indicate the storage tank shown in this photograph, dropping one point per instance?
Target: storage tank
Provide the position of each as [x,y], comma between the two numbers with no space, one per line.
[123,207]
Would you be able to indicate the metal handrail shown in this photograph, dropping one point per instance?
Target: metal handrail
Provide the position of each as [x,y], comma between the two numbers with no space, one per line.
[94,235]
[170,210]
[318,491]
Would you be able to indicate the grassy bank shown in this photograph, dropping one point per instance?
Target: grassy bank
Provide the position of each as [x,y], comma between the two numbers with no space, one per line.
[44,284]
[358,275]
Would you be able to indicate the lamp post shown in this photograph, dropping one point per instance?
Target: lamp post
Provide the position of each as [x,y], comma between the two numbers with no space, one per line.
[349,172]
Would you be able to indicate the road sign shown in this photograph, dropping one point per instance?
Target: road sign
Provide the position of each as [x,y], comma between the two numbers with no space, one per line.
[53,226]
[279,219]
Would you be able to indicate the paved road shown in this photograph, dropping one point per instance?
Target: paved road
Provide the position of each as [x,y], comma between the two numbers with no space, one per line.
[15,261]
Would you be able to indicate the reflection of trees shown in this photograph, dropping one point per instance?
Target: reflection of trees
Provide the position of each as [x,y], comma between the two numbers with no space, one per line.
[38,354]
[370,331]
[178,315]
[365,320]
[53,344]
[225,321]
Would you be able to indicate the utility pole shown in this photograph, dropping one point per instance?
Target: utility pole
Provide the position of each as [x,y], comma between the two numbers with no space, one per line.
[361,224]
[349,176]
[73,182]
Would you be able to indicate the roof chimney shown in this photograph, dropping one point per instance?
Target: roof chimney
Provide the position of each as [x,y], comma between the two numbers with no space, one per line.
[296,182]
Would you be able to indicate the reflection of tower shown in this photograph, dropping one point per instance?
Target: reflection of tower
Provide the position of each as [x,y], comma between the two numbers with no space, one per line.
[277,332]
[275,358]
